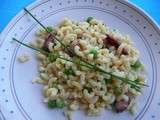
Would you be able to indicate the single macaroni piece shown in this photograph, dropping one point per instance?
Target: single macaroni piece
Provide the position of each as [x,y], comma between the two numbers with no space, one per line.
[23,58]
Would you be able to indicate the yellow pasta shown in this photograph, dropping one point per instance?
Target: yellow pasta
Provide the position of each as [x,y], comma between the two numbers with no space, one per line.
[79,86]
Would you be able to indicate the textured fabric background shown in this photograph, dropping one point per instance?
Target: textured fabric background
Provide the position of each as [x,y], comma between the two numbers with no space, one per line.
[9,8]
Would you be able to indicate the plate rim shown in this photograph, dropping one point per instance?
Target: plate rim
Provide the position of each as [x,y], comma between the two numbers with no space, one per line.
[137,9]
[143,13]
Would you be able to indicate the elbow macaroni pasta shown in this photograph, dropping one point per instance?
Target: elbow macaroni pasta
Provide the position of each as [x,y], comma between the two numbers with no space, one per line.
[87,88]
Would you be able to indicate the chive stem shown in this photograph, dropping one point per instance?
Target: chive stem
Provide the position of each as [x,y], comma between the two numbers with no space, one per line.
[43,26]
[35,19]
[33,48]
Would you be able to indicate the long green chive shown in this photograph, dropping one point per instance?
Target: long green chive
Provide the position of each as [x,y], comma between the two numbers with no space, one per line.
[134,84]
[53,56]
[47,30]
[136,65]
[108,81]
[35,19]
[36,49]
[75,61]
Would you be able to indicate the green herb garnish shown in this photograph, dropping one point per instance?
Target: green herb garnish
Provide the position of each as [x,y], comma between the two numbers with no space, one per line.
[54,56]
[35,19]
[108,81]
[28,46]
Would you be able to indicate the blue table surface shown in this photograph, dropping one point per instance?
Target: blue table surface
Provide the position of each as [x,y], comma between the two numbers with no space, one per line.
[9,8]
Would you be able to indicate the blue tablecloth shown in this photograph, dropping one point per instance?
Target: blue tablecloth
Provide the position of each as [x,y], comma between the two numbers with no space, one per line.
[9,8]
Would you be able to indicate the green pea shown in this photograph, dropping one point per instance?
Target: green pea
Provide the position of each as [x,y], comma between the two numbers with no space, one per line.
[52,104]
[53,56]
[94,52]
[69,71]
[49,29]
[89,19]
[60,103]
[137,65]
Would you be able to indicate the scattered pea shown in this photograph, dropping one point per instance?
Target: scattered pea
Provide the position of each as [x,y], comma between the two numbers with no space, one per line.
[60,103]
[52,57]
[137,65]
[49,29]
[52,104]
[89,19]
[94,52]
[69,71]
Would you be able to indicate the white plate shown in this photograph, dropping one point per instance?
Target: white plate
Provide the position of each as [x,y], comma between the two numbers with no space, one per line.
[21,100]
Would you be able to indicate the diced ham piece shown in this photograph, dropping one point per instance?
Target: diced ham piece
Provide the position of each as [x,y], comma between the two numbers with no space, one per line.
[48,40]
[109,40]
[121,105]
[124,51]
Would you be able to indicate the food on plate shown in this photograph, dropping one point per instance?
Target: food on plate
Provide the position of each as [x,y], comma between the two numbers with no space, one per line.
[86,65]
[23,58]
